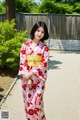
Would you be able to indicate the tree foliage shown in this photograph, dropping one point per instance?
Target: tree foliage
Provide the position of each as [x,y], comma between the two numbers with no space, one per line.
[2,7]
[25,5]
[45,6]
[52,7]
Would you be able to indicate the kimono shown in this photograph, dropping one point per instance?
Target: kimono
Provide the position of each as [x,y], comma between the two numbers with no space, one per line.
[33,97]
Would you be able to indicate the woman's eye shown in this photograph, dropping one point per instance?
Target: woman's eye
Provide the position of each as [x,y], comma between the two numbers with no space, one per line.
[38,30]
[43,32]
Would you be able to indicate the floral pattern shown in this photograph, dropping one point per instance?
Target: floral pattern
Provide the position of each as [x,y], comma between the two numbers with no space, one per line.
[33,97]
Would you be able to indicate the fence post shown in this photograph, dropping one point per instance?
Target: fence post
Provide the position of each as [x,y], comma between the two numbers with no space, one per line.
[48,15]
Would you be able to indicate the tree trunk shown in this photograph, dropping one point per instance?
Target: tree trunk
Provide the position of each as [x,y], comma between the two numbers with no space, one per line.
[10,9]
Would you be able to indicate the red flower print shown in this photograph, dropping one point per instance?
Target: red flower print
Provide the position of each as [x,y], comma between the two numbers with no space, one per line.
[29,103]
[42,60]
[25,61]
[45,64]
[30,42]
[35,112]
[39,103]
[38,94]
[29,95]
[45,71]
[38,69]
[27,67]
[24,86]
[39,54]
[30,111]
[32,52]
[46,49]
[26,43]
[25,64]
[43,87]
[28,119]
[41,98]
[34,86]
[23,51]
[20,68]
[37,109]
[43,116]
[40,73]
[21,63]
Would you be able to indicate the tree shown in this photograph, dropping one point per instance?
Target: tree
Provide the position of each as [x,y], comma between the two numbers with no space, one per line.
[25,6]
[2,7]
[52,7]
[10,9]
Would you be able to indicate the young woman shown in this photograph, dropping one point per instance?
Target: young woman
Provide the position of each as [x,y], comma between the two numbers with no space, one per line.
[33,71]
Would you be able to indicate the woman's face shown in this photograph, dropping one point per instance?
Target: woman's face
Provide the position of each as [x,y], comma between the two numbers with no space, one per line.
[39,34]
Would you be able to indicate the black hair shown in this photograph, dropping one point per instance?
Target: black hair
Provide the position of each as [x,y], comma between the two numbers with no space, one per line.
[36,26]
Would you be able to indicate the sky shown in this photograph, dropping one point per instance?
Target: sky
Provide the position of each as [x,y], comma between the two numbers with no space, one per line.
[35,0]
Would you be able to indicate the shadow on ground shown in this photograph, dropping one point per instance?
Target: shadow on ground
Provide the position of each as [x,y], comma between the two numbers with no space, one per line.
[1,97]
[1,89]
[53,64]
[6,72]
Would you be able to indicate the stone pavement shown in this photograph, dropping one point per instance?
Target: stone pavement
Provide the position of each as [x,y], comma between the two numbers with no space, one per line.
[62,93]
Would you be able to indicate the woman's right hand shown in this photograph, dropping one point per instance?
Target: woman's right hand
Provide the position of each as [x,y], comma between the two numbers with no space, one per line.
[29,83]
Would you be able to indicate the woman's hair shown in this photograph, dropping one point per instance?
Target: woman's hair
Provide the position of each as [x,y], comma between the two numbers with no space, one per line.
[36,26]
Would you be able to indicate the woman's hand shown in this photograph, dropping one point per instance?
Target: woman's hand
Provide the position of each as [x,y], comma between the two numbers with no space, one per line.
[29,83]
[27,76]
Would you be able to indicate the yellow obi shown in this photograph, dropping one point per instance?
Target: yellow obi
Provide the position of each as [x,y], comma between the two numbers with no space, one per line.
[34,60]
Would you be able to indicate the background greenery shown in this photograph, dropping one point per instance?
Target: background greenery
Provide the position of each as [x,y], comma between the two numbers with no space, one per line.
[10,44]
[45,6]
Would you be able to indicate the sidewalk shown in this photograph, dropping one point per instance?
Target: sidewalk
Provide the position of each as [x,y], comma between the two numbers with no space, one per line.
[62,93]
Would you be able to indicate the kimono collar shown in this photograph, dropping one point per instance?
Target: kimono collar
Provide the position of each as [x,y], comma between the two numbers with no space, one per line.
[36,44]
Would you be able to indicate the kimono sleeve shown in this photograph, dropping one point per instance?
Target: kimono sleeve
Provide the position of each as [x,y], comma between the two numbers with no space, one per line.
[41,70]
[22,68]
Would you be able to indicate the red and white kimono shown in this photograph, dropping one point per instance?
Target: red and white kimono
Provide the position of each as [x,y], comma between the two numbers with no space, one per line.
[33,98]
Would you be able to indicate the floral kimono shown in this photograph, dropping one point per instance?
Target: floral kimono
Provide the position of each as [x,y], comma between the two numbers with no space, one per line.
[33,97]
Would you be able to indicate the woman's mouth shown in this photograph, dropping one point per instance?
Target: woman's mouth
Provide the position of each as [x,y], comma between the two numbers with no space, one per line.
[39,36]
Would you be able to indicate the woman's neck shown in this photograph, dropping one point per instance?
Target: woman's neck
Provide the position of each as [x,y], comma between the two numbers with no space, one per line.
[36,41]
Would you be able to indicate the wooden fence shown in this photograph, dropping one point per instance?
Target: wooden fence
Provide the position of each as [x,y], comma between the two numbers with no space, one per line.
[60,26]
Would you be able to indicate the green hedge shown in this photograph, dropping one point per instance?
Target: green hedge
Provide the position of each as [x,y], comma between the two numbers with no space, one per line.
[10,44]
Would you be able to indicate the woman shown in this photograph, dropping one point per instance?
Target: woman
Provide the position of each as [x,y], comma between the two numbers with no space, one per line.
[33,71]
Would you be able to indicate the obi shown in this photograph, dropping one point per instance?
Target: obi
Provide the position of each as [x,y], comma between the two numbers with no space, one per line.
[34,60]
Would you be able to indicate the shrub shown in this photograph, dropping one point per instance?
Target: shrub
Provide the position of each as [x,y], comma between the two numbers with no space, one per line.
[10,44]
[76,8]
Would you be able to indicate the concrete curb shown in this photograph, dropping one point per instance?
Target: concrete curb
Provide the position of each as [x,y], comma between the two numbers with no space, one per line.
[8,91]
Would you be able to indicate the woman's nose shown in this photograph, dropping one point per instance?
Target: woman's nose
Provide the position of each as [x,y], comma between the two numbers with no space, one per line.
[39,33]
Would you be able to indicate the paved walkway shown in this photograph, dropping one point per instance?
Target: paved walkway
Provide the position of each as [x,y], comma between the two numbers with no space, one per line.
[62,93]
